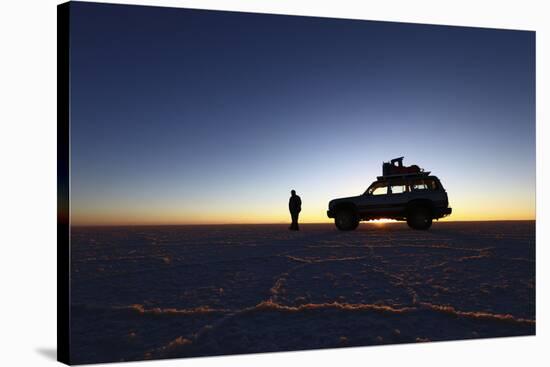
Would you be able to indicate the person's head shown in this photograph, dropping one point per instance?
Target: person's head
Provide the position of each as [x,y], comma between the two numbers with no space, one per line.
[292,192]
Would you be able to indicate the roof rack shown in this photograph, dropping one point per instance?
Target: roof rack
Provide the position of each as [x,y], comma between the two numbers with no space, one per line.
[404,175]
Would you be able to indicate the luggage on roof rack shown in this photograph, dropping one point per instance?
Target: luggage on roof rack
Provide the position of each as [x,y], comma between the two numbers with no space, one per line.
[395,168]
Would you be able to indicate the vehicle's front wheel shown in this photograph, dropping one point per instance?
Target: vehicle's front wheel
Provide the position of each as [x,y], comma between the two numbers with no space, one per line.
[346,220]
[420,218]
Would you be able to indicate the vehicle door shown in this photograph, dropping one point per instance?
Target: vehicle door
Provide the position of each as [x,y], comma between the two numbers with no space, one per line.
[398,196]
[374,200]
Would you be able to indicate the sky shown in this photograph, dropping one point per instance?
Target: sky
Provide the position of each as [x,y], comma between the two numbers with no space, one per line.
[188,116]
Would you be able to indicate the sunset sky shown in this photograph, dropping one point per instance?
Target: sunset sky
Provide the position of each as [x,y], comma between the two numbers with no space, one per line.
[187,116]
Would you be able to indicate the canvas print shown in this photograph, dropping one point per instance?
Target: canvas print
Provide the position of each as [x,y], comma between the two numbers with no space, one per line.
[241,183]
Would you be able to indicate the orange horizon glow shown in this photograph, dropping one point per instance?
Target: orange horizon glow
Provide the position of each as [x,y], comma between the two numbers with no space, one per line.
[133,221]
[257,209]
[372,222]
[308,215]
[172,216]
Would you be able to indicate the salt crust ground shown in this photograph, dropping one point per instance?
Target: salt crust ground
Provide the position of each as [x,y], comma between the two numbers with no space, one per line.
[181,291]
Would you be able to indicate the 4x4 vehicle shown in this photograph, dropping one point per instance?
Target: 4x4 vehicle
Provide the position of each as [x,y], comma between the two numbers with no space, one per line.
[417,198]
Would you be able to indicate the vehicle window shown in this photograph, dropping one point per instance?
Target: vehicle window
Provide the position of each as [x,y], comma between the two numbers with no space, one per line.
[419,185]
[432,184]
[423,184]
[380,189]
[398,188]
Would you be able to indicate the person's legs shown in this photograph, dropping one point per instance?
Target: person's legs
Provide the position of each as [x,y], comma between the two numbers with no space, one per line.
[294,225]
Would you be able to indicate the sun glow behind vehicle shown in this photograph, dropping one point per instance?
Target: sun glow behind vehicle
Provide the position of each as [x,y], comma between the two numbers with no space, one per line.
[382,221]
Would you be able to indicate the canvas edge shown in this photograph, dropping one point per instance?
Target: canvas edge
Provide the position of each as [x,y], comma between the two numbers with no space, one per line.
[63,182]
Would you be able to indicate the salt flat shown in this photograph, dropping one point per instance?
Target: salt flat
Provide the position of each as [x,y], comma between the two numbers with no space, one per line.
[178,291]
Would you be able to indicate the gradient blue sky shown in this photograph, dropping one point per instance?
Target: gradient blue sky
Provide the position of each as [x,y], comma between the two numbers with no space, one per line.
[188,116]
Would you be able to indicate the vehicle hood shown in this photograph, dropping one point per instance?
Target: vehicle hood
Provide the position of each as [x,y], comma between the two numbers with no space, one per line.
[337,201]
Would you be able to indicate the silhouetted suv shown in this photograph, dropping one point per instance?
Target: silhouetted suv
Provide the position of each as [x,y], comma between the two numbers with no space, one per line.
[417,198]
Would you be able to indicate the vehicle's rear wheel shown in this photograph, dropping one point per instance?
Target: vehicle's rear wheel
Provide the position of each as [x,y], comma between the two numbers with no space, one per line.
[420,218]
[346,220]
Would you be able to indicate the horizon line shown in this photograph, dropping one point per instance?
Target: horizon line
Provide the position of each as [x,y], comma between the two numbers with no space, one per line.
[282,223]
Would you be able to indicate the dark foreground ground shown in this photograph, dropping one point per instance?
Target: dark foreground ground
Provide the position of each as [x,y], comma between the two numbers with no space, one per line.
[157,292]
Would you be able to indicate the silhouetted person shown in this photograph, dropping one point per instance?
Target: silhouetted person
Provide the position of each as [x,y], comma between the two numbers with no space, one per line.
[295,207]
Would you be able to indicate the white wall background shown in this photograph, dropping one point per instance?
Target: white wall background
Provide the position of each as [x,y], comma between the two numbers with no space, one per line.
[28,182]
